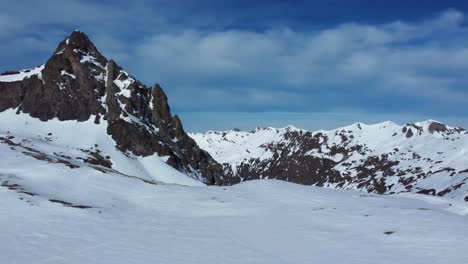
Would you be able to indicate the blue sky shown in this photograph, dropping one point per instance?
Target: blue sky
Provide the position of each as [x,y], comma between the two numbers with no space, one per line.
[225,64]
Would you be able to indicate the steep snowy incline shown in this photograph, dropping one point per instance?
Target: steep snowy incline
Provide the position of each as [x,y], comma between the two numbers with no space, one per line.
[426,157]
[236,146]
[69,147]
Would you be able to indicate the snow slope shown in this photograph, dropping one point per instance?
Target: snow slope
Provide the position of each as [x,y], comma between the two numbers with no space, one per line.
[254,222]
[23,74]
[426,157]
[55,146]
[234,147]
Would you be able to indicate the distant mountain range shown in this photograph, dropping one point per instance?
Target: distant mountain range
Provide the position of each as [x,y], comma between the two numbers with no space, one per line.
[426,157]
[80,113]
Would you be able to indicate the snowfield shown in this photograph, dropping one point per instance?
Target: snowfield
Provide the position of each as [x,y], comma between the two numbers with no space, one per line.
[253,222]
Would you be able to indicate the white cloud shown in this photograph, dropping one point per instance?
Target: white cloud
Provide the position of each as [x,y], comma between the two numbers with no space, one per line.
[416,59]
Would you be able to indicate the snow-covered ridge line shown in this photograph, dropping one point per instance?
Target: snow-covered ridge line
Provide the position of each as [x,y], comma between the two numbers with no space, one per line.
[23,74]
[358,125]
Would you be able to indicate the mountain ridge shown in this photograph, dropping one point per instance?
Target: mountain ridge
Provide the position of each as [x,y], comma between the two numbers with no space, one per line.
[294,127]
[425,157]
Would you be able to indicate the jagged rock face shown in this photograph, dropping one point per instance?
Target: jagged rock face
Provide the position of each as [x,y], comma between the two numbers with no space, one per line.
[385,158]
[71,83]
[79,83]
[11,94]
[281,165]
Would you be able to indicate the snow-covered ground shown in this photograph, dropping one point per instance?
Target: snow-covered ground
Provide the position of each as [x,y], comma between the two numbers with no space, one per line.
[253,222]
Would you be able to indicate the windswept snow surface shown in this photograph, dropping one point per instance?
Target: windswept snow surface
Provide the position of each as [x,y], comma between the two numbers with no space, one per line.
[254,222]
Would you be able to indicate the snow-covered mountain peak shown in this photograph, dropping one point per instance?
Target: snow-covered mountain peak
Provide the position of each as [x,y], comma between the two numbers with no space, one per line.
[78,83]
[288,128]
[431,125]
[427,122]
[78,41]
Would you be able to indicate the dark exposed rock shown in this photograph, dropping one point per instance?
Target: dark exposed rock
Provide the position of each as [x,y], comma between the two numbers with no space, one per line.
[444,192]
[409,133]
[9,73]
[437,127]
[161,111]
[67,204]
[11,94]
[427,191]
[95,158]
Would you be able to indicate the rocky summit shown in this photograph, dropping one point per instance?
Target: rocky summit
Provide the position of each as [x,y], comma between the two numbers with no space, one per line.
[79,84]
